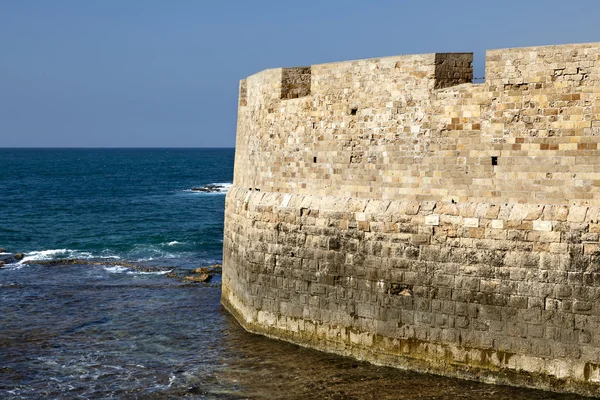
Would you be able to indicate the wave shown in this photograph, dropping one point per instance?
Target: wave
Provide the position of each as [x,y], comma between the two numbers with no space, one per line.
[138,253]
[116,269]
[55,254]
[168,252]
[149,272]
[119,269]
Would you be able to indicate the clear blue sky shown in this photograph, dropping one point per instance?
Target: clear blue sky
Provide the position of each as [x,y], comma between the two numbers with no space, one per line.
[125,73]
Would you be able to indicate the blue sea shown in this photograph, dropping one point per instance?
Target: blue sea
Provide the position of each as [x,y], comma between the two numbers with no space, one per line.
[118,323]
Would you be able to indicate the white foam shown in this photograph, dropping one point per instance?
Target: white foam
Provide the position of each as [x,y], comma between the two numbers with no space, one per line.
[149,273]
[174,243]
[55,254]
[116,269]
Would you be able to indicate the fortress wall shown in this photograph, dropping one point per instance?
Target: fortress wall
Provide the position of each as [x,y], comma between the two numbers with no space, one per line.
[367,217]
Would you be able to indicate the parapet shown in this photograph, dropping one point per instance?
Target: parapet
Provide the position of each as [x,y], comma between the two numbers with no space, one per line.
[436,70]
[563,65]
[415,127]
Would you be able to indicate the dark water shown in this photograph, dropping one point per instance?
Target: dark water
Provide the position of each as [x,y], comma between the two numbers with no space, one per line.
[110,332]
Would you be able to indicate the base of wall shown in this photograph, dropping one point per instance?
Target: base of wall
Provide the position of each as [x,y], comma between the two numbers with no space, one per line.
[399,354]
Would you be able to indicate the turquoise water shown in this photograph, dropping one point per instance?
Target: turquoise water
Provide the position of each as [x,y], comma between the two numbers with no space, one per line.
[127,203]
[105,331]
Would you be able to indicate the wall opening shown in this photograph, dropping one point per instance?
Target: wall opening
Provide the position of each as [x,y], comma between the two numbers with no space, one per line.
[314,159]
[494,160]
[353,110]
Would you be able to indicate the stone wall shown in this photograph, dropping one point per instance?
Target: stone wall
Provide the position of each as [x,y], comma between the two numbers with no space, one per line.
[390,210]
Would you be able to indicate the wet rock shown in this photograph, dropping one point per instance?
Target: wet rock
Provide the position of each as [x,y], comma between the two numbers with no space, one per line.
[197,278]
[211,269]
[9,258]
[208,188]
[2,250]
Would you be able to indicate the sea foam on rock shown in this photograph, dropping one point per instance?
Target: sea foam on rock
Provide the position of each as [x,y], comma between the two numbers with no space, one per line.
[10,258]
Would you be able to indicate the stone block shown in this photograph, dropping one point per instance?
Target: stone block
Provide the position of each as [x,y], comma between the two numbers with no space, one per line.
[545,226]
[471,222]
[497,224]
[576,214]
[432,219]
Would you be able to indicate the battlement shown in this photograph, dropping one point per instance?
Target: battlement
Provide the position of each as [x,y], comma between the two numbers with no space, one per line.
[438,70]
[415,127]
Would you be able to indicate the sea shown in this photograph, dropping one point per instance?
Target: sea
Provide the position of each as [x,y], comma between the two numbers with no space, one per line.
[119,323]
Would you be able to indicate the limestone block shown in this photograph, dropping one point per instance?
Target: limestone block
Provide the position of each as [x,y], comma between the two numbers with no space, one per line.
[539,225]
[576,214]
[286,200]
[556,213]
[526,211]
[432,219]
[471,222]
[497,224]
[594,228]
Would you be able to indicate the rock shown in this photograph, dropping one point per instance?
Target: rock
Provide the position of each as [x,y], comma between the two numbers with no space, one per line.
[1,264]
[215,268]
[2,250]
[197,278]
[208,188]
[8,258]
[201,270]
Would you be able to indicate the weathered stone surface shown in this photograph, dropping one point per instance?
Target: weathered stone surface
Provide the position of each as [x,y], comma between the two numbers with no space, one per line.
[396,217]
